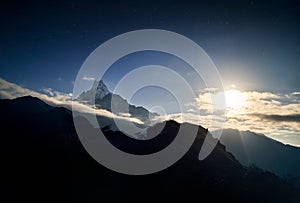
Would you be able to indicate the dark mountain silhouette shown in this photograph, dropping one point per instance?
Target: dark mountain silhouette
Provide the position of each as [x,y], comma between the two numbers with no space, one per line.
[266,153]
[43,160]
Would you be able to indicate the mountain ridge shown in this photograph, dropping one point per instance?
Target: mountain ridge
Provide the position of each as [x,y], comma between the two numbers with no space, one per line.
[52,162]
[264,152]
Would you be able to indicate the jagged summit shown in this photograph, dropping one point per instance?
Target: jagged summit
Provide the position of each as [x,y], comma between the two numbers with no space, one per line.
[103,99]
[99,90]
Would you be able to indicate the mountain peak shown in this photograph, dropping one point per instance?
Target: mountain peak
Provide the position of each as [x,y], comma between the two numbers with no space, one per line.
[101,97]
[99,90]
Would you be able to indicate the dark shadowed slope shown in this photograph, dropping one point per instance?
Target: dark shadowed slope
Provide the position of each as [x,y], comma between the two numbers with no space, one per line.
[43,160]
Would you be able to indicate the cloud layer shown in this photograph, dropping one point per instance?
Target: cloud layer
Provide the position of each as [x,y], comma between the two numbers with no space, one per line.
[275,115]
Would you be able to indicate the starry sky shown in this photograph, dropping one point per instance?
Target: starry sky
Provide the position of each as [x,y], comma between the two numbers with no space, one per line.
[254,44]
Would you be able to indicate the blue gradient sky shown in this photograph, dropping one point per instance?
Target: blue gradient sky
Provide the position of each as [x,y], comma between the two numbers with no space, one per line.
[254,44]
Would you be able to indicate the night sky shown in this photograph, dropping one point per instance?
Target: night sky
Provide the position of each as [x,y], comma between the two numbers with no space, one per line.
[254,44]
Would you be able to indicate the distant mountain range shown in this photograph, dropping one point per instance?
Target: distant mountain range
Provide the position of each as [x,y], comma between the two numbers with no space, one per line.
[104,99]
[43,160]
[266,153]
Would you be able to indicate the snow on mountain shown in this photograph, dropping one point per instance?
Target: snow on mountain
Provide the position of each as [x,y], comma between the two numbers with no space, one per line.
[104,99]
[99,89]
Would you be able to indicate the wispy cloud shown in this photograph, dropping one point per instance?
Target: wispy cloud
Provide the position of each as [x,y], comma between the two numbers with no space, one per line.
[88,78]
[280,118]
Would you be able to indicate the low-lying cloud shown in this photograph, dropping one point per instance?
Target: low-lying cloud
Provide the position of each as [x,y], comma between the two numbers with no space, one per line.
[280,118]
[88,78]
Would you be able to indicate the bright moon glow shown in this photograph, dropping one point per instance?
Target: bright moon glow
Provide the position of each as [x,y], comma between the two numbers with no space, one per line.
[234,99]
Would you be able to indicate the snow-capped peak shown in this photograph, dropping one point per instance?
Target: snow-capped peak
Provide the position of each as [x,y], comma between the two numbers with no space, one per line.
[101,89]
[98,91]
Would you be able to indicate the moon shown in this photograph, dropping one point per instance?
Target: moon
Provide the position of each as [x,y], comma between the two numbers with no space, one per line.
[235,99]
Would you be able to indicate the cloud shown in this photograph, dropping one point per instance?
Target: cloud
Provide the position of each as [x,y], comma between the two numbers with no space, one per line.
[10,91]
[88,78]
[125,114]
[296,93]
[280,118]
[191,110]
[276,115]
